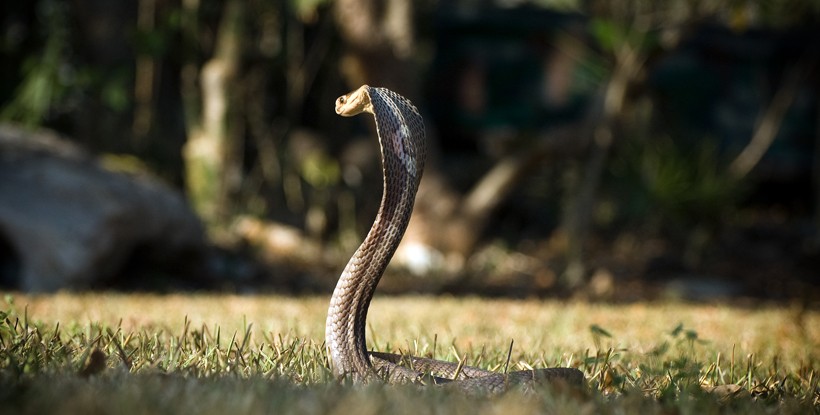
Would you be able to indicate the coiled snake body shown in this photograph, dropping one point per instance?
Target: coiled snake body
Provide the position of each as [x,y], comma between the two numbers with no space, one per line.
[401,136]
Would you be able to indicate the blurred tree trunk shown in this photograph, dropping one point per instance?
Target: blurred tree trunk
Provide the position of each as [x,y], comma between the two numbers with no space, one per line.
[212,159]
[380,40]
[770,122]
[145,76]
[628,68]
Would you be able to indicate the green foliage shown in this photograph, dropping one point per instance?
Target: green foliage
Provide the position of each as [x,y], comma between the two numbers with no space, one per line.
[47,77]
[54,83]
[114,89]
[307,9]
[611,34]
[320,170]
[687,184]
[673,185]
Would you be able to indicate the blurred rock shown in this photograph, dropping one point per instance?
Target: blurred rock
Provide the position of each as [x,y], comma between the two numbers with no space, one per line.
[70,223]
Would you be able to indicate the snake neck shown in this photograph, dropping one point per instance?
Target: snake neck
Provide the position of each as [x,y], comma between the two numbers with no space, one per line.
[401,138]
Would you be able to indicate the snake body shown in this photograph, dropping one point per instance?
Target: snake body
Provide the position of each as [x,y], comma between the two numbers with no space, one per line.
[400,131]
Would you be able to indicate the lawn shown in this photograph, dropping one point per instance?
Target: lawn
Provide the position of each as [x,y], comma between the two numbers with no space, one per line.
[205,353]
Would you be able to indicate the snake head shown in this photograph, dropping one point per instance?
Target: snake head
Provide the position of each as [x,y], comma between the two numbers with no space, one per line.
[354,103]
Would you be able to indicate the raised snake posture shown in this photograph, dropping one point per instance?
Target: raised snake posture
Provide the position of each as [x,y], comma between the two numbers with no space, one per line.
[401,136]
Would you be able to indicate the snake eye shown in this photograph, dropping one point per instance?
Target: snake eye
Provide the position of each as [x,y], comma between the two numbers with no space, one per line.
[341,100]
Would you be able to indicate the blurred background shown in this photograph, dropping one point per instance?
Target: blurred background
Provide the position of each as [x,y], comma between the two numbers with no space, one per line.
[612,150]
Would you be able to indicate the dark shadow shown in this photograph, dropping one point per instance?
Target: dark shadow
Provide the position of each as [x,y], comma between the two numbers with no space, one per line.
[10,265]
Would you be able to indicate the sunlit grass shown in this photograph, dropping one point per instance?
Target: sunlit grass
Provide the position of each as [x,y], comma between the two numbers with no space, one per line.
[263,354]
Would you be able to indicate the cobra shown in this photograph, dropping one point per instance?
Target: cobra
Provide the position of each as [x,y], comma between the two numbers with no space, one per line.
[401,135]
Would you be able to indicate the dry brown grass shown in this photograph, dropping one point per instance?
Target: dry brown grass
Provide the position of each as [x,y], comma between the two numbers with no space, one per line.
[637,357]
[533,324]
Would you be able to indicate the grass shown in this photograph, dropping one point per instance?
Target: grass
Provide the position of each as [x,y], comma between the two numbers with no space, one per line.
[134,354]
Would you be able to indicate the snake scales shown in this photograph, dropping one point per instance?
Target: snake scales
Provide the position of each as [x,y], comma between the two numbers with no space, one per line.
[402,139]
